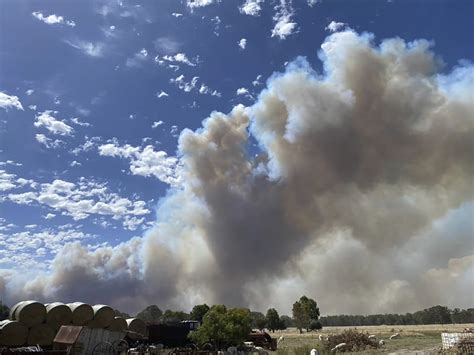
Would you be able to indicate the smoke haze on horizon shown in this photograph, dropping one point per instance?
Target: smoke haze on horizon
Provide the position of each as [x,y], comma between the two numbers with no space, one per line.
[349,198]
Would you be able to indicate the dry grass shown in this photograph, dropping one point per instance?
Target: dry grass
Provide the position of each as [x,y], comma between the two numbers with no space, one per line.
[415,339]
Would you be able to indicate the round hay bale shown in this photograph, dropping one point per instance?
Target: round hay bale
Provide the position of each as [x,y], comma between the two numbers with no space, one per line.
[118,324]
[136,325]
[13,333]
[41,334]
[92,324]
[11,314]
[103,315]
[81,313]
[30,313]
[58,314]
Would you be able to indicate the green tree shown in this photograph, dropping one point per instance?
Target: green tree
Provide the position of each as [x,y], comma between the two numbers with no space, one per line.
[199,311]
[4,311]
[222,327]
[173,316]
[304,311]
[272,319]
[150,314]
[257,319]
[261,323]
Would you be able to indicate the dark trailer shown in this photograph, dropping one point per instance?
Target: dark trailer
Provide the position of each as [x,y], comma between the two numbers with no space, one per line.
[171,335]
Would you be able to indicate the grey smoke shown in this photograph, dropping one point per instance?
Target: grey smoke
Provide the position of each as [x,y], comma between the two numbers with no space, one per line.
[356,164]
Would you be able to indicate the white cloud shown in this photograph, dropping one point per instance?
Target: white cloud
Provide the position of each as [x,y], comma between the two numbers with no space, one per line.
[251,7]
[189,86]
[312,2]
[29,92]
[32,107]
[176,14]
[75,120]
[216,20]
[177,58]
[156,124]
[46,120]
[7,101]
[137,59]
[7,181]
[192,4]
[49,216]
[161,94]
[335,26]
[88,145]
[242,43]
[88,48]
[244,92]
[82,199]
[283,20]
[75,163]
[205,90]
[48,142]
[145,161]
[53,19]
[257,81]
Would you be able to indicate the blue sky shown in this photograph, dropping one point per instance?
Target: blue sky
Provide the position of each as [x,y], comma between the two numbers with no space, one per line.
[96,93]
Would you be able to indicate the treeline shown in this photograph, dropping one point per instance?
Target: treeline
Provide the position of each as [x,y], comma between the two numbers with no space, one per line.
[432,315]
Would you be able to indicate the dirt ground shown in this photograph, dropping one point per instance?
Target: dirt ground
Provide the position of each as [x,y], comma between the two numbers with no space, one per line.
[414,339]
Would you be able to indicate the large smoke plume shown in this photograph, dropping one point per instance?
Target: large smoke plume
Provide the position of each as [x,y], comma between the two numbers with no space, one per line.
[350,198]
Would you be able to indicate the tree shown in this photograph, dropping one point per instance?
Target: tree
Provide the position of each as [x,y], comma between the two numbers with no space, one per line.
[150,314]
[173,316]
[304,311]
[222,327]
[199,311]
[286,322]
[4,311]
[121,314]
[257,320]
[272,319]
[315,325]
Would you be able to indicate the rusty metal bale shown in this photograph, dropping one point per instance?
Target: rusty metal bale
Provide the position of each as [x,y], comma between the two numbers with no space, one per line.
[30,313]
[12,333]
[41,334]
[103,315]
[81,313]
[118,324]
[58,314]
[137,328]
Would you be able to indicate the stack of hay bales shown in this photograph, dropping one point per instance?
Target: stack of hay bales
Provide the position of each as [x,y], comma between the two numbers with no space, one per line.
[33,323]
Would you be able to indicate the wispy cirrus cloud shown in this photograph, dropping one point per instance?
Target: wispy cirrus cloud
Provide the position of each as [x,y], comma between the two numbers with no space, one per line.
[91,49]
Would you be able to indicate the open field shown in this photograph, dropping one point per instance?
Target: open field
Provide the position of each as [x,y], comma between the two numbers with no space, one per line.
[415,339]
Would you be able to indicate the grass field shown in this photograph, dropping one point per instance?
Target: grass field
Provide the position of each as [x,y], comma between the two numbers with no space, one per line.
[415,339]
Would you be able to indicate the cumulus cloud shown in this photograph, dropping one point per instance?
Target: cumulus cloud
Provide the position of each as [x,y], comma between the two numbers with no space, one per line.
[48,142]
[192,85]
[356,165]
[80,200]
[145,161]
[192,4]
[53,19]
[251,7]
[335,26]
[45,119]
[76,121]
[242,43]
[283,23]
[9,101]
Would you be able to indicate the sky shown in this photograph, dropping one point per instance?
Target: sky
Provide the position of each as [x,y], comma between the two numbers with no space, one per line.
[190,151]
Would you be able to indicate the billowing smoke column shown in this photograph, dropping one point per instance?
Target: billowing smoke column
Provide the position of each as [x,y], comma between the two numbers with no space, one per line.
[360,184]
